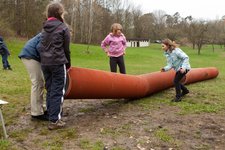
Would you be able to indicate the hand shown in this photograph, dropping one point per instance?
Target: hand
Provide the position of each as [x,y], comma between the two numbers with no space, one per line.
[124,53]
[108,55]
[106,50]
[162,70]
[182,70]
[67,70]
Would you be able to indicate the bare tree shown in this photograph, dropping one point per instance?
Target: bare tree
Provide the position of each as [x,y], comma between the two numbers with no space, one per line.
[136,22]
[25,17]
[201,29]
[214,32]
[173,26]
[90,25]
[159,24]
[147,25]
[90,21]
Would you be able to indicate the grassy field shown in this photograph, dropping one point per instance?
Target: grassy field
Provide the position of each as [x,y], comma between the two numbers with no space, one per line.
[206,97]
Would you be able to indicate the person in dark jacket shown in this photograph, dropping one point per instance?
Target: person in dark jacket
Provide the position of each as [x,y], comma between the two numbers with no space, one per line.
[31,59]
[55,61]
[5,53]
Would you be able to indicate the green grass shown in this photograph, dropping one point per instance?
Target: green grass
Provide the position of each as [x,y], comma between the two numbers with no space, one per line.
[87,145]
[4,144]
[163,135]
[206,97]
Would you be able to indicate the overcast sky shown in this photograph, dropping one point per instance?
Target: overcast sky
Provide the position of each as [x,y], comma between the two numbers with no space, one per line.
[198,9]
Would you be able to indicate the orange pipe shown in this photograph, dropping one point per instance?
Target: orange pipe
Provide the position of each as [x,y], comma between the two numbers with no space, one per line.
[95,84]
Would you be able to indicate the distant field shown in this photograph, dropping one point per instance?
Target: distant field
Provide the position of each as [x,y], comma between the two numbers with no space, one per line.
[15,85]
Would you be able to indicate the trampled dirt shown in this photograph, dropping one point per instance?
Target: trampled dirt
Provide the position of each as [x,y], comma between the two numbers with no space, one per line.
[121,124]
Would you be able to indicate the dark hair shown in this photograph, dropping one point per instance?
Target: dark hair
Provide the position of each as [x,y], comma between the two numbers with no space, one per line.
[55,9]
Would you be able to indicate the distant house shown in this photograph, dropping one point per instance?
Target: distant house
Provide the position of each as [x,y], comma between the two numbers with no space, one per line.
[139,42]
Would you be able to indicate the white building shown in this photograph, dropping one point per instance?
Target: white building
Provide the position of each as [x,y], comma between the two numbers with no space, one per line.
[138,42]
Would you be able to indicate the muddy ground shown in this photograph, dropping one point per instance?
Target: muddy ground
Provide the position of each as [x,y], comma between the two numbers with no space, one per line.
[121,124]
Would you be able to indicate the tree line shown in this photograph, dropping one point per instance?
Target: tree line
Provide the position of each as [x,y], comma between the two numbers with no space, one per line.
[90,21]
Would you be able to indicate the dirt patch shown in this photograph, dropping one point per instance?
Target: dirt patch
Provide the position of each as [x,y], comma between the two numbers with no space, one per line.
[124,125]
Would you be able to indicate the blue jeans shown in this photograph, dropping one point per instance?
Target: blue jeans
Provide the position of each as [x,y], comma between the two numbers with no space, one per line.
[5,61]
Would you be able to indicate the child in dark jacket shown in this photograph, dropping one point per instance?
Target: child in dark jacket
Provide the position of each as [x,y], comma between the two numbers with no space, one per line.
[55,61]
[5,53]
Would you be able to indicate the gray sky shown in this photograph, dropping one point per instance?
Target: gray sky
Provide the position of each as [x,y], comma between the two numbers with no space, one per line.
[198,9]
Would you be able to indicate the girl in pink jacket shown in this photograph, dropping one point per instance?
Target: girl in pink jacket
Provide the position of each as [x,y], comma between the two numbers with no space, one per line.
[114,45]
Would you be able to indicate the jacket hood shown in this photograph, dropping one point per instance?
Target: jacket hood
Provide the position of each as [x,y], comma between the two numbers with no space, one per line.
[1,39]
[51,25]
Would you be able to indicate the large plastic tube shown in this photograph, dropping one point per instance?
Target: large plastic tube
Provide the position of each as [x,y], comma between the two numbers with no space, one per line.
[85,83]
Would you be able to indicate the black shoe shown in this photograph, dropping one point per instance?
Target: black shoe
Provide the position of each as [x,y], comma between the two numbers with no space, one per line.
[176,99]
[7,68]
[184,92]
[43,117]
[46,113]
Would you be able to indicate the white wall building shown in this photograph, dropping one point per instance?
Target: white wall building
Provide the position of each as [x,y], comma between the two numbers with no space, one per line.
[138,42]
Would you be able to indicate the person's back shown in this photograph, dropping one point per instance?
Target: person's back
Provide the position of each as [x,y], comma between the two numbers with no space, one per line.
[30,51]
[1,48]
[55,38]
[55,59]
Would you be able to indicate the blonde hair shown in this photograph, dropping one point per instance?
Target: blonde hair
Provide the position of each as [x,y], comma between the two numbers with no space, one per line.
[171,44]
[55,9]
[116,26]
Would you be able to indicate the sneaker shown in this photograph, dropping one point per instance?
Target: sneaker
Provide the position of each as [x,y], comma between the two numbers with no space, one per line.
[176,99]
[44,117]
[184,92]
[56,125]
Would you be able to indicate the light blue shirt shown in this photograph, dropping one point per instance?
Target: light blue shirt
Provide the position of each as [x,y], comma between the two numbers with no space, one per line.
[177,59]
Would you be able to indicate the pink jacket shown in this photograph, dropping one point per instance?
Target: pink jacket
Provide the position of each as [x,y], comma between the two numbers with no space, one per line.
[116,44]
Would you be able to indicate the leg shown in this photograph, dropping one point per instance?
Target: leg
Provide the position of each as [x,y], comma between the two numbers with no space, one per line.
[37,88]
[183,88]
[177,83]
[48,81]
[5,61]
[113,64]
[121,65]
[57,92]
